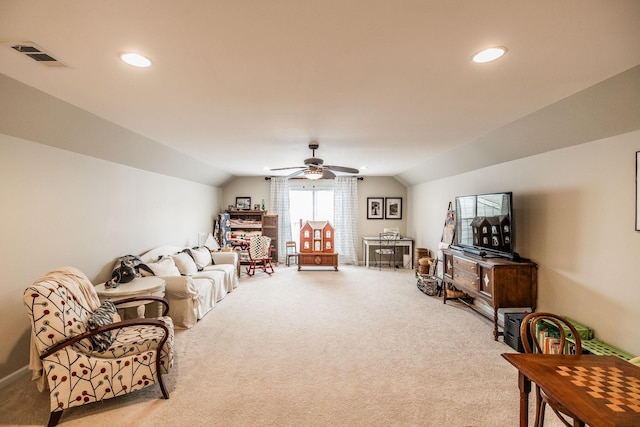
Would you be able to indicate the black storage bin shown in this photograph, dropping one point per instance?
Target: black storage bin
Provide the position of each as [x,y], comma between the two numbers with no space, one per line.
[512,323]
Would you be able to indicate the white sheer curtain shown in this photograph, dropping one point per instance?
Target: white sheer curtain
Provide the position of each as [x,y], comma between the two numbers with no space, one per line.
[279,205]
[345,217]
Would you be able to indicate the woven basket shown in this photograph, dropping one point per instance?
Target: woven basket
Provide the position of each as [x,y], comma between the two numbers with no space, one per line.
[453,292]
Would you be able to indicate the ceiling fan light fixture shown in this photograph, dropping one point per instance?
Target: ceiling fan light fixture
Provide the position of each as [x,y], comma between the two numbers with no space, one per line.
[313,174]
[490,54]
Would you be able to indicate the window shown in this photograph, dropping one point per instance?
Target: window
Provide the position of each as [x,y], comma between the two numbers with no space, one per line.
[309,204]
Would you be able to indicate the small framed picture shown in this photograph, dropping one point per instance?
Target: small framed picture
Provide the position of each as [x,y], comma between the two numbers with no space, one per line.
[637,190]
[375,207]
[256,207]
[393,208]
[243,203]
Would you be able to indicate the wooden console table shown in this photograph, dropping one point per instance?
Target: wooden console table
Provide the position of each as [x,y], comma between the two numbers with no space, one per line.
[500,282]
[317,259]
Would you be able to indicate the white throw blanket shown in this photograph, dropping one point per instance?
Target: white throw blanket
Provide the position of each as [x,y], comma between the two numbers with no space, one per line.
[81,288]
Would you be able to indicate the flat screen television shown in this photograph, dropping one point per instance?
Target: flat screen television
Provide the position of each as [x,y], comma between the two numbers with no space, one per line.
[484,225]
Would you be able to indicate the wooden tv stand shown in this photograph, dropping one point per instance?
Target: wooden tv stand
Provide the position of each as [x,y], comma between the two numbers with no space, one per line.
[500,282]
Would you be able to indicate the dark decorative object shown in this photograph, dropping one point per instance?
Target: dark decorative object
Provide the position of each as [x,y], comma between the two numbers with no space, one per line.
[492,232]
[125,272]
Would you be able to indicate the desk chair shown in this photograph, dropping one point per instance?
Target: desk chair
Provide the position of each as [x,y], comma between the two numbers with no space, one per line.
[387,248]
[565,330]
[291,251]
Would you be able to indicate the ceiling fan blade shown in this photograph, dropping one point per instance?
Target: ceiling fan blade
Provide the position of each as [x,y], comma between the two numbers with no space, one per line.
[294,174]
[290,167]
[342,169]
[327,174]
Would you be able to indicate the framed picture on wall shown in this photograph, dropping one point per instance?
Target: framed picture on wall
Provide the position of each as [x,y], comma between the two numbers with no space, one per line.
[375,207]
[637,190]
[393,208]
[243,203]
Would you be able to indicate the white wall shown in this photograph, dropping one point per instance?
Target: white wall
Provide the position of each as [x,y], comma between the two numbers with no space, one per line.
[60,208]
[575,217]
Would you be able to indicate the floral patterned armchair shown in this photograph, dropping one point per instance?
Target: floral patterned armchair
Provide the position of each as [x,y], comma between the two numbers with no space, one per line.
[82,352]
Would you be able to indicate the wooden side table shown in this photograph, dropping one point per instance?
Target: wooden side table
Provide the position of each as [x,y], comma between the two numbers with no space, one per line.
[140,286]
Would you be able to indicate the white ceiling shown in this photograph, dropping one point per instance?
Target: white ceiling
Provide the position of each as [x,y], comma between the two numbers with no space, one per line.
[240,85]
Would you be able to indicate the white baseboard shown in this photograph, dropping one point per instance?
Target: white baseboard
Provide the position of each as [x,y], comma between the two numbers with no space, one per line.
[13,377]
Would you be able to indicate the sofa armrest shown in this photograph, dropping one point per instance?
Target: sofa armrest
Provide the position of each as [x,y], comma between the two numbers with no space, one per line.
[225,257]
[179,287]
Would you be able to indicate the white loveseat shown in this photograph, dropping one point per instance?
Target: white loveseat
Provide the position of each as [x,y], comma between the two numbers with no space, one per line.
[196,281]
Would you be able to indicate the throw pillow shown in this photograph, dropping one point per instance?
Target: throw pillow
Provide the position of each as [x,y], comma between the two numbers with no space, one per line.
[212,243]
[185,264]
[101,317]
[201,256]
[165,266]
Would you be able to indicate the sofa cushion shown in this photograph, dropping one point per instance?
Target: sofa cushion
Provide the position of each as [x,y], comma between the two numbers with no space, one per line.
[185,264]
[201,256]
[212,243]
[165,266]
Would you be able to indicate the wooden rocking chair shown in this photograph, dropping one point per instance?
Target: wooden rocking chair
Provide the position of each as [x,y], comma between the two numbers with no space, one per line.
[259,255]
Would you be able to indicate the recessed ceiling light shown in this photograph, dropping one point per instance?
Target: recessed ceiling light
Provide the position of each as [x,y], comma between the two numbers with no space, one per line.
[489,55]
[136,59]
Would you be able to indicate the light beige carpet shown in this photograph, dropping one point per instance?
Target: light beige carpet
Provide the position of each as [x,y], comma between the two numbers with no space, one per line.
[358,347]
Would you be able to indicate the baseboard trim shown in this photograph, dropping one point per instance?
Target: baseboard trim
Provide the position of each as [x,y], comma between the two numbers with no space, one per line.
[13,377]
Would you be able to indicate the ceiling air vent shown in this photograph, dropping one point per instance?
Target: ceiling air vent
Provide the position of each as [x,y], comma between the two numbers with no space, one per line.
[36,53]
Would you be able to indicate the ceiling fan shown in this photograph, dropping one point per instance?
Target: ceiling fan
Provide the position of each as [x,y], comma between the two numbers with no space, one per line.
[314,168]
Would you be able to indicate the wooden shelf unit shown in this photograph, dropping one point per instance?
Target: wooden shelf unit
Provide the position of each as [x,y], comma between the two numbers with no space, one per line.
[251,222]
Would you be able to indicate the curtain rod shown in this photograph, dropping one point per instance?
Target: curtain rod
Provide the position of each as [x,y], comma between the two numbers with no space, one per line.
[268,178]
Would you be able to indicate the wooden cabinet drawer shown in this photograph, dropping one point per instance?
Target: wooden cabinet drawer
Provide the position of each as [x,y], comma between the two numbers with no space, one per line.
[317,260]
[486,281]
[466,278]
[448,265]
[463,264]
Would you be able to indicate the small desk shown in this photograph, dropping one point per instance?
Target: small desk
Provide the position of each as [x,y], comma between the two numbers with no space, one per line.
[368,242]
[557,376]
[140,286]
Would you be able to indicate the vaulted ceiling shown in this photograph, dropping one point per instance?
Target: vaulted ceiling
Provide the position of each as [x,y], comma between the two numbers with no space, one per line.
[237,86]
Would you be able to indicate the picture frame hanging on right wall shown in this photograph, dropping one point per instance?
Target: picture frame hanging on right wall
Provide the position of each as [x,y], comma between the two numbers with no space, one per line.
[393,208]
[637,190]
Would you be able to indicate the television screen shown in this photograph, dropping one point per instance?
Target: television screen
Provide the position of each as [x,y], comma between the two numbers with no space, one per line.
[484,224]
